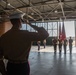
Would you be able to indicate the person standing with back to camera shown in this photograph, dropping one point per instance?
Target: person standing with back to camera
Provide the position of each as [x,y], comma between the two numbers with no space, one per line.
[70,44]
[60,45]
[16,45]
[55,41]
[65,42]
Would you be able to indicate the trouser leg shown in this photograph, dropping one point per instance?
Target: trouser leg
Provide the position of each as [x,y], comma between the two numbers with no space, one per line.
[55,46]
[70,47]
[38,46]
[60,49]
[18,69]
[44,45]
[64,49]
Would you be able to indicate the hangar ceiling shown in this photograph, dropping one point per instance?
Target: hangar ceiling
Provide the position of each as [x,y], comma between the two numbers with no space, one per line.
[40,10]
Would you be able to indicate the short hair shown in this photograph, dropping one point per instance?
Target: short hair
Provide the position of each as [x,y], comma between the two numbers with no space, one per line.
[15,21]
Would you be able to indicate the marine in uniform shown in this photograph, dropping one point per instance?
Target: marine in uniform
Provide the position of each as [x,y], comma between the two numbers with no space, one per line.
[60,45]
[15,45]
[54,41]
[70,44]
[65,42]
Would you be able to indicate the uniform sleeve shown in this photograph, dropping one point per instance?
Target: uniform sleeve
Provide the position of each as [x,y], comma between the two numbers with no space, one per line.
[1,51]
[38,36]
[2,65]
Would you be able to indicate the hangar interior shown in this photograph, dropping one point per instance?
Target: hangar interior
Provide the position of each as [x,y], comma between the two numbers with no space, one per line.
[46,13]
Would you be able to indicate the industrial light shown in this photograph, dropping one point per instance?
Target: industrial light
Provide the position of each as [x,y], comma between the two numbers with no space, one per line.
[55,11]
[32,13]
[9,4]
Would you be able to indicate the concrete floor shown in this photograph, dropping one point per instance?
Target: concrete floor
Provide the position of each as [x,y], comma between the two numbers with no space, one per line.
[45,62]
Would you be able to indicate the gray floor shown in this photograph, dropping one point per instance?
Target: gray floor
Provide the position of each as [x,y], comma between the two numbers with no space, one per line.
[45,62]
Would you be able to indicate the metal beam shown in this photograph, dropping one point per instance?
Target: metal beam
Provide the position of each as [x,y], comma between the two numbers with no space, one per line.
[70,6]
[33,9]
[73,9]
[51,11]
[36,12]
[19,10]
[39,13]
[61,4]
[43,4]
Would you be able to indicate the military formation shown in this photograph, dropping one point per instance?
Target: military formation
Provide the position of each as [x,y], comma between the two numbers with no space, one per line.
[58,43]
[63,43]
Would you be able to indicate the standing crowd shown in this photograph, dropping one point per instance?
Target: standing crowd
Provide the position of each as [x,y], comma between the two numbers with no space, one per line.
[63,43]
[60,43]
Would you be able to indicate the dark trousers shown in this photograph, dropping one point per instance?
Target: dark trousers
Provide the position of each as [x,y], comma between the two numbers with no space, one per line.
[18,69]
[55,48]
[60,48]
[65,46]
[44,45]
[38,46]
[70,48]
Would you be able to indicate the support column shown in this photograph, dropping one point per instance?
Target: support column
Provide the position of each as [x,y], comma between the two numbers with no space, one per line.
[75,32]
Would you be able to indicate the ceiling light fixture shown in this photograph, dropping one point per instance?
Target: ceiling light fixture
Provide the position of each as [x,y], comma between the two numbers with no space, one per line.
[55,11]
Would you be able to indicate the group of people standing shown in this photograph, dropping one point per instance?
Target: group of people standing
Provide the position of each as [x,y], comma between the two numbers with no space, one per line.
[61,42]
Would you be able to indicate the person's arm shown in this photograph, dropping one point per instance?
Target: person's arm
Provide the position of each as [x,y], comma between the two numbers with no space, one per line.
[41,33]
[33,26]
[2,65]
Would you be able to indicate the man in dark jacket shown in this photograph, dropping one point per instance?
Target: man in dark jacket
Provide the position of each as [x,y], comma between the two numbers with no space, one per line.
[54,41]
[65,42]
[70,44]
[60,45]
[16,45]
